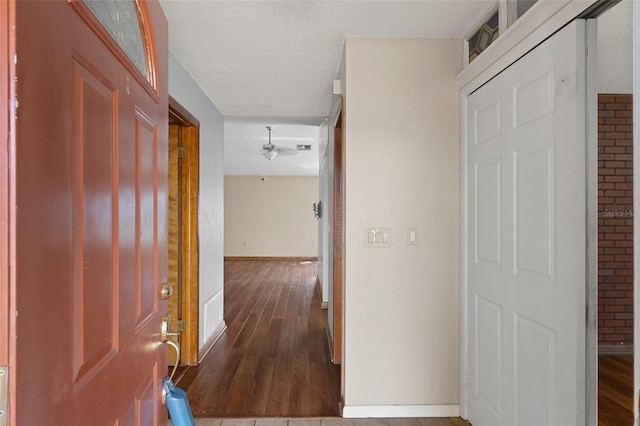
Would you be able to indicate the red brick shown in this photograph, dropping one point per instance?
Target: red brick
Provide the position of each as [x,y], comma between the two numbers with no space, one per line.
[614,150]
[615,135]
[615,106]
[615,219]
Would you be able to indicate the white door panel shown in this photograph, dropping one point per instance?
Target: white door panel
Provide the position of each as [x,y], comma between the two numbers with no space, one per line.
[527,239]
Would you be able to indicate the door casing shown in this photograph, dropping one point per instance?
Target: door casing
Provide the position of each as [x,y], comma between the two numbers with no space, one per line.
[186,284]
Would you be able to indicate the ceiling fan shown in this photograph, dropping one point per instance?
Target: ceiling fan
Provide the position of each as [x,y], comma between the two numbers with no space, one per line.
[269,150]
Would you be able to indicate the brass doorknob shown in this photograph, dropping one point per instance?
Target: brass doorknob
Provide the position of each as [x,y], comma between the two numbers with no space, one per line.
[166,330]
[166,290]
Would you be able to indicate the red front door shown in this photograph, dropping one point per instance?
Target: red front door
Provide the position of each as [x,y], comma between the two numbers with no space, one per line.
[89,218]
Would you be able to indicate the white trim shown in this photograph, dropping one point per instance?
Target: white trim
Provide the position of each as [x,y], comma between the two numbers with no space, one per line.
[503,16]
[395,411]
[542,20]
[204,350]
[464,238]
[615,349]
[591,200]
[511,12]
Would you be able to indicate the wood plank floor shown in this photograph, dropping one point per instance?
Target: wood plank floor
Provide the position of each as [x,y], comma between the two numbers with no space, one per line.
[273,360]
[615,390]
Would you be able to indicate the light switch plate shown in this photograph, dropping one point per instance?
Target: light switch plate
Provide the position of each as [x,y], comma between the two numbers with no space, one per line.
[412,236]
[377,237]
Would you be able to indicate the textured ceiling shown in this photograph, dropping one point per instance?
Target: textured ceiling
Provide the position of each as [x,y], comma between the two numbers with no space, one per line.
[278,58]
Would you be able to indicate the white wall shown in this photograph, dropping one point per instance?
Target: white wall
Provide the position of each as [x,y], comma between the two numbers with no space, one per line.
[402,170]
[327,173]
[210,215]
[270,216]
[323,238]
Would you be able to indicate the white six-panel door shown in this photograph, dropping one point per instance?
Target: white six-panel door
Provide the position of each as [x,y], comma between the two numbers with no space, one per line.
[526,244]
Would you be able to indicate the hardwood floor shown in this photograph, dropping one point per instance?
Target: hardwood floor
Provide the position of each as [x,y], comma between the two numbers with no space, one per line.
[615,390]
[273,360]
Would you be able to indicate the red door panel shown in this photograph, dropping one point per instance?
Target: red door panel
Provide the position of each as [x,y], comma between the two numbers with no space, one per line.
[90,215]
[94,184]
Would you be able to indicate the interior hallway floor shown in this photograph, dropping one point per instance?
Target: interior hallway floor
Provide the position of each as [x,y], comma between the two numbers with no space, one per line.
[273,360]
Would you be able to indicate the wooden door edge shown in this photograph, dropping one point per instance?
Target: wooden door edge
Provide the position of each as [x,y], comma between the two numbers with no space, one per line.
[338,243]
[190,248]
[7,199]
[172,226]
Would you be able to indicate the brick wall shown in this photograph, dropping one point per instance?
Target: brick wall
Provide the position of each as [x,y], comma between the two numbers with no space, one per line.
[615,220]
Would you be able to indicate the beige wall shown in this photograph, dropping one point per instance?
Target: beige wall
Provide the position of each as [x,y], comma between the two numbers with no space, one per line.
[271,217]
[402,170]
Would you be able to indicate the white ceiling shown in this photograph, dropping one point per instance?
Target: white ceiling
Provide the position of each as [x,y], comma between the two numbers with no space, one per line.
[243,140]
[278,59]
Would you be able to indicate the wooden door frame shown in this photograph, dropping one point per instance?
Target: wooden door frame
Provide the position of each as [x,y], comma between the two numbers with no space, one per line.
[636,208]
[338,240]
[190,253]
[7,199]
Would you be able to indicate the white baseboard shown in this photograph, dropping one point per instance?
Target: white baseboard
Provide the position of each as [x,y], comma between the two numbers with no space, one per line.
[390,411]
[615,349]
[204,350]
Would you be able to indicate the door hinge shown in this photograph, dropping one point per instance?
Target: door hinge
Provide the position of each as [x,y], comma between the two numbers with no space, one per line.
[4,396]
[182,152]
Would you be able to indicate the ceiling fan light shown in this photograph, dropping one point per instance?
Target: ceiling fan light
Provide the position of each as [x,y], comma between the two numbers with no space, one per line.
[270,155]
